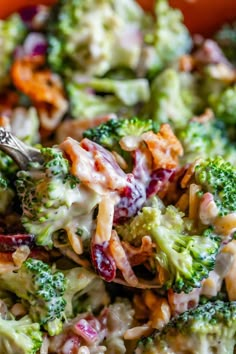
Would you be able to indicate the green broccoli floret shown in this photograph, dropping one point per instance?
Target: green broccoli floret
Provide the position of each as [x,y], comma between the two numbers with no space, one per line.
[101,30]
[218,177]
[20,337]
[224,105]
[166,104]
[12,31]
[187,258]
[226,38]
[52,199]
[109,134]
[88,105]
[208,329]
[41,289]
[77,279]
[129,92]
[201,140]
[6,195]
[7,174]
[168,39]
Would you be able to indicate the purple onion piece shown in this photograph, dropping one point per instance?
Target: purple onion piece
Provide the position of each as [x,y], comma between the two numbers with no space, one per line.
[35,44]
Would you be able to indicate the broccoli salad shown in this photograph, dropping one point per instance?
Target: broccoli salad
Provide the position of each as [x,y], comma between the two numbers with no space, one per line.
[119,236]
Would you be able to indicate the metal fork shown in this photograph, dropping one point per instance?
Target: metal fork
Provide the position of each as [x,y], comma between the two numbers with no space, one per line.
[20,152]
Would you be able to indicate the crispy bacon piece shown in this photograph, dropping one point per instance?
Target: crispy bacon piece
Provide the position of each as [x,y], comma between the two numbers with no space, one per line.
[94,166]
[164,147]
[139,255]
[43,87]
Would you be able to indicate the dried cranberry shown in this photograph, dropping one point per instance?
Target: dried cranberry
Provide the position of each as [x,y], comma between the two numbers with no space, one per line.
[9,243]
[131,201]
[103,262]
[158,179]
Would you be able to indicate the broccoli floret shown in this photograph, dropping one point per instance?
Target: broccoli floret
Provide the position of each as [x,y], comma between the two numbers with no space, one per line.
[52,199]
[100,30]
[208,329]
[6,195]
[88,105]
[129,92]
[224,105]
[168,39]
[12,31]
[20,337]
[77,279]
[166,103]
[41,289]
[187,258]
[109,134]
[200,140]
[7,174]
[218,177]
[226,38]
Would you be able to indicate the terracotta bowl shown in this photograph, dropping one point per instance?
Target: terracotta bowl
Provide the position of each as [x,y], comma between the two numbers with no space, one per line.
[201,16]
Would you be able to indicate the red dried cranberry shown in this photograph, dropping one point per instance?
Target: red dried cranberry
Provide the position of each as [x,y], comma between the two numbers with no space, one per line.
[9,243]
[131,200]
[158,179]
[103,263]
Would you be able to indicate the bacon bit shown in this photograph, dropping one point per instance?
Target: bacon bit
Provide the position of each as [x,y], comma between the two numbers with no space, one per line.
[75,128]
[139,255]
[94,166]
[205,117]
[104,220]
[186,63]
[164,147]
[121,259]
[182,302]
[43,87]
